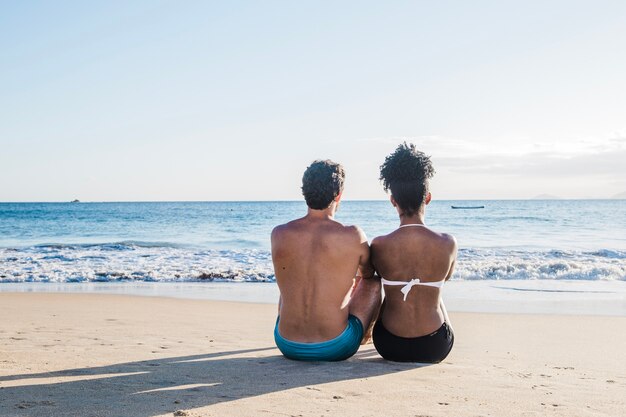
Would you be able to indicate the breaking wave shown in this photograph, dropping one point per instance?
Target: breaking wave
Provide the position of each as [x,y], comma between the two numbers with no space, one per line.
[162,261]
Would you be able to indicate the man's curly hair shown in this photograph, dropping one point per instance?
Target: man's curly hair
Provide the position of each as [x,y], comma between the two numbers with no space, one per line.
[322,182]
[406,173]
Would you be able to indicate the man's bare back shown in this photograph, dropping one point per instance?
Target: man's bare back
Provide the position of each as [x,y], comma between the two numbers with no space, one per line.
[316,260]
[322,314]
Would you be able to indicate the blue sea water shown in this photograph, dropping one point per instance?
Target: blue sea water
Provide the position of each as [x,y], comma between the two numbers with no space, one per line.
[229,241]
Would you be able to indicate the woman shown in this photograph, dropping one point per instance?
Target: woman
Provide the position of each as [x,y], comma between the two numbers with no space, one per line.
[413,262]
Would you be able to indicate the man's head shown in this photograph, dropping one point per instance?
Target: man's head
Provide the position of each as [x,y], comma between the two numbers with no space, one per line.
[322,183]
[406,173]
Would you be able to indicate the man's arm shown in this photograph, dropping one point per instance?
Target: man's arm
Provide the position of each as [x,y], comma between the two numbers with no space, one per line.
[274,238]
[273,242]
[365,265]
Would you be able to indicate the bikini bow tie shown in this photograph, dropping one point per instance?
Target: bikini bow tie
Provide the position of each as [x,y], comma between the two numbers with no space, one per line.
[405,290]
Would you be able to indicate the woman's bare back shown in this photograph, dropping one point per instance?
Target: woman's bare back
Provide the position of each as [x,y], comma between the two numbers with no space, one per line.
[413,253]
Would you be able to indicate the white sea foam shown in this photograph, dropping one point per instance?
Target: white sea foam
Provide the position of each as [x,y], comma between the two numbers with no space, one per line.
[131,262]
[162,262]
[555,264]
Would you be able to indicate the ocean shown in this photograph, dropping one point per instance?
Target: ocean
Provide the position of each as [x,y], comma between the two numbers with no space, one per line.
[201,242]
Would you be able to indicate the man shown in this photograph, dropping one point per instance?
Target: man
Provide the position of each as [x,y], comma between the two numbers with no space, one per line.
[322,314]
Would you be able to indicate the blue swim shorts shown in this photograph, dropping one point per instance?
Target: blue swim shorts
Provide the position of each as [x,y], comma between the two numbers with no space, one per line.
[336,349]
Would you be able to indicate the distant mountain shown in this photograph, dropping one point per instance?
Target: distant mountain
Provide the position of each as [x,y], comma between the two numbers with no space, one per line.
[546,197]
[620,196]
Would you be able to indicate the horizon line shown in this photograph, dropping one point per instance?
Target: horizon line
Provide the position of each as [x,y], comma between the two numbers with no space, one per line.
[297,201]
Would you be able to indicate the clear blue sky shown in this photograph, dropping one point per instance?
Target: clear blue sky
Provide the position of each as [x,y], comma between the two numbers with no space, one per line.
[197,100]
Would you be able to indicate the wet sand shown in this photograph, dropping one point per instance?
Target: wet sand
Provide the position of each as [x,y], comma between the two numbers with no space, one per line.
[112,355]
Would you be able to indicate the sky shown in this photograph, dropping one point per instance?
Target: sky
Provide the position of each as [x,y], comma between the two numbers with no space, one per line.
[200,100]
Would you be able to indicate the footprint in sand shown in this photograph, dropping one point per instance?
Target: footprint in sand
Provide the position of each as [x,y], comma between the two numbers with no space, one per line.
[28,404]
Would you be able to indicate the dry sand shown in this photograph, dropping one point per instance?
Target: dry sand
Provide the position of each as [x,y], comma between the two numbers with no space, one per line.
[108,355]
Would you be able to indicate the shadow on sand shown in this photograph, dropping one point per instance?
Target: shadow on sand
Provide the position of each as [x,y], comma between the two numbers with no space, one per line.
[152,387]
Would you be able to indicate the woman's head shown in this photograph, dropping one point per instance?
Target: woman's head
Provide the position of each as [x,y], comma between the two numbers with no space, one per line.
[405,173]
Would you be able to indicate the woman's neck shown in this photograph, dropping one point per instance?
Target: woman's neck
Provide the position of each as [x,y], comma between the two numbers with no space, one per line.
[417,218]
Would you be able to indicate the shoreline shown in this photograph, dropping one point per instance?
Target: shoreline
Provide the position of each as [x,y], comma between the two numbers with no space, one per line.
[562,297]
[110,355]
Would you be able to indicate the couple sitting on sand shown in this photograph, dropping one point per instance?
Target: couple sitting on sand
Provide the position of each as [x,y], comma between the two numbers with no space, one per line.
[324,312]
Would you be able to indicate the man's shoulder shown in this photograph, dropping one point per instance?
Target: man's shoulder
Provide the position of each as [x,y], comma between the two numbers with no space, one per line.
[351,228]
[331,228]
[352,231]
[340,233]
[284,229]
[279,229]
[294,224]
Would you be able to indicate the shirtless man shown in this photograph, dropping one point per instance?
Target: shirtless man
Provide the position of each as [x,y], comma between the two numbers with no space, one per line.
[322,314]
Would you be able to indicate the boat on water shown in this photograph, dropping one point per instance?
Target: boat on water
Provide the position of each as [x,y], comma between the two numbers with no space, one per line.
[467,207]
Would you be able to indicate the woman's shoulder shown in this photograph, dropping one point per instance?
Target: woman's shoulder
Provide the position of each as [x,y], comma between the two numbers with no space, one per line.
[447,239]
[445,242]
[379,240]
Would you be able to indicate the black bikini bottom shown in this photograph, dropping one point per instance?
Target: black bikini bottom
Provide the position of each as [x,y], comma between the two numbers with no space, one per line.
[432,348]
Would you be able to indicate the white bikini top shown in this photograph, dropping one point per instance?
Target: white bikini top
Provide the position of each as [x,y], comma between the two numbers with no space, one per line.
[407,285]
[410,284]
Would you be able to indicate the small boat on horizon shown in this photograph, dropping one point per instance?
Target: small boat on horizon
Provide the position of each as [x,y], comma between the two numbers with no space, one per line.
[467,207]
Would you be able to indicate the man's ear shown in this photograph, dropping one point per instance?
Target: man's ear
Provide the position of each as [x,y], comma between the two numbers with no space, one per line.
[429,197]
[338,197]
[393,201]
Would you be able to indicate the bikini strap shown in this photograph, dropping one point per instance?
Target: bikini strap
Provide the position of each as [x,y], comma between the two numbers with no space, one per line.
[407,285]
[411,224]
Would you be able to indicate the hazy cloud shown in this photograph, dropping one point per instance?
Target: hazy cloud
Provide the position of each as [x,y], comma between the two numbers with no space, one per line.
[609,162]
[556,158]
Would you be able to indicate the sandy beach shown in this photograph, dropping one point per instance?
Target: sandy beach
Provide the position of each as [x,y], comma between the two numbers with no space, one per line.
[111,355]
[165,165]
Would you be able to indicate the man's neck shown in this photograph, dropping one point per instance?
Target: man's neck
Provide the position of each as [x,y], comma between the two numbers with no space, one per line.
[326,214]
